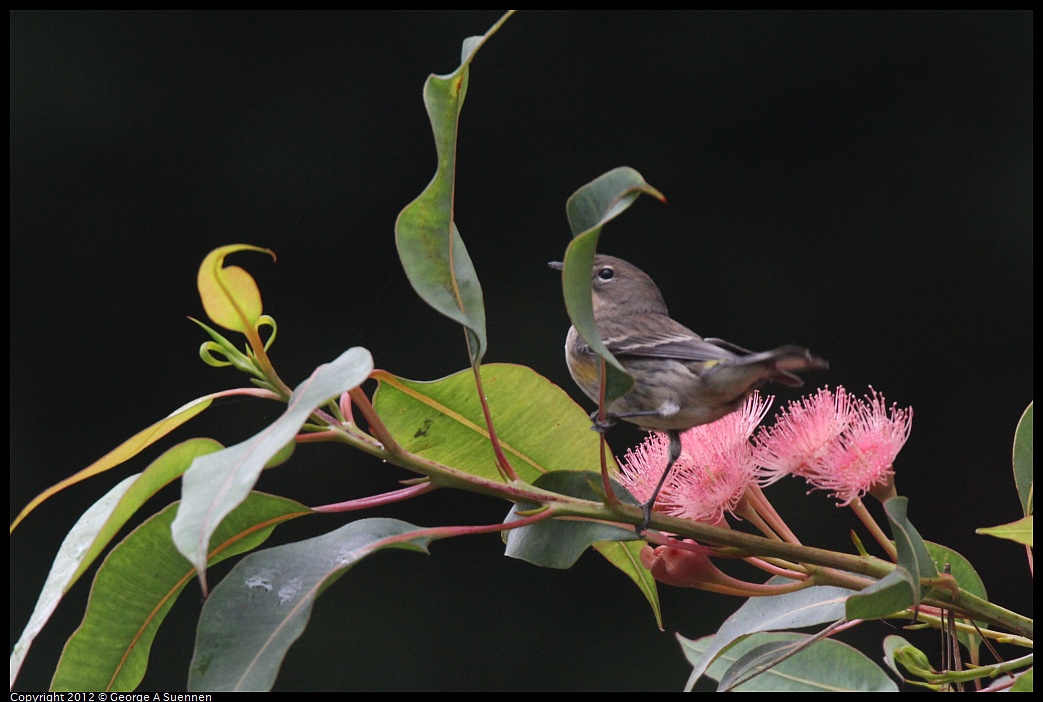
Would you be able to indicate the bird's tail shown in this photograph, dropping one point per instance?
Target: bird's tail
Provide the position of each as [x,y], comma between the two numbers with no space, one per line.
[786,362]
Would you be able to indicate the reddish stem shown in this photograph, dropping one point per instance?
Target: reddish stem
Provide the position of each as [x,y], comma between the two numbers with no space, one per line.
[386,498]
[501,460]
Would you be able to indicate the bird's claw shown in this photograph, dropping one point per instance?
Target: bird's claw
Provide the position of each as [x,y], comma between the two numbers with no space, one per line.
[601,425]
[646,509]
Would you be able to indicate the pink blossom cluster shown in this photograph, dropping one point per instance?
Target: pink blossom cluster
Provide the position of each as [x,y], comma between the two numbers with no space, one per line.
[835,441]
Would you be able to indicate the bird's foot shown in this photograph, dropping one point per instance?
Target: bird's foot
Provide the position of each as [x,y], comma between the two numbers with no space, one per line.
[646,509]
[601,425]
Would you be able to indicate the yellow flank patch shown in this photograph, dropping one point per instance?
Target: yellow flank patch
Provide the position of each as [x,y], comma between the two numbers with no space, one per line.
[585,372]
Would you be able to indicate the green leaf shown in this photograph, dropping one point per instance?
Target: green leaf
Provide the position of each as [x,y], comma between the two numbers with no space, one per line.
[558,543]
[1020,531]
[965,576]
[900,589]
[218,482]
[541,428]
[139,582]
[790,664]
[1023,460]
[96,528]
[1024,682]
[589,209]
[626,556]
[814,605]
[899,654]
[263,605]
[230,295]
[124,452]
[429,245]
[912,551]
[896,591]
[893,645]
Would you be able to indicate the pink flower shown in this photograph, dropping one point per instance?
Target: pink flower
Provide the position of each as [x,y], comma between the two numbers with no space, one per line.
[802,434]
[710,477]
[837,443]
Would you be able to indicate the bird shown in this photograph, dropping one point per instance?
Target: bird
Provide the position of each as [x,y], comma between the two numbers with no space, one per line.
[681,380]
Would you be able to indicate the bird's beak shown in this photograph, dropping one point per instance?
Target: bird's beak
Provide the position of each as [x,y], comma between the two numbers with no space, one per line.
[556,265]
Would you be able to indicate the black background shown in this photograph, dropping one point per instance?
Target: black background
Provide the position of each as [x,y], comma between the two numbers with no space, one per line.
[860,183]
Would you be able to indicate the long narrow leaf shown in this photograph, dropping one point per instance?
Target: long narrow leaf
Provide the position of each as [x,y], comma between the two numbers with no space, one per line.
[558,543]
[263,605]
[824,666]
[815,605]
[95,529]
[1023,473]
[137,585]
[589,209]
[124,452]
[429,245]
[217,483]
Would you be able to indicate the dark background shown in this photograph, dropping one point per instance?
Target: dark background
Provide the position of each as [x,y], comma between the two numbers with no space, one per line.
[860,183]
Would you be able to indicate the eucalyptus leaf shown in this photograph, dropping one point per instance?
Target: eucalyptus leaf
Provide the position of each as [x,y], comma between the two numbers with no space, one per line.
[896,591]
[791,662]
[912,551]
[96,528]
[263,605]
[230,295]
[216,483]
[1023,471]
[138,583]
[589,209]
[1019,531]
[558,543]
[122,453]
[808,607]
[429,244]
[541,428]
[966,577]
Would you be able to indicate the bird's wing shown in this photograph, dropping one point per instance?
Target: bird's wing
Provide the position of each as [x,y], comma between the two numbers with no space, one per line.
[658,336]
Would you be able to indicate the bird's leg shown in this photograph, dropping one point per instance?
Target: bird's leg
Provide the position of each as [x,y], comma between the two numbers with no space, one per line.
[674,454]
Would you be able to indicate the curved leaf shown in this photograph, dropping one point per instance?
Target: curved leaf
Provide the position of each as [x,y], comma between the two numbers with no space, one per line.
[1023,460]
[823,666]
[896,591]
[137,585]
[230,295]
[589,209]
[558,543]
[93,531]
[965,576]
[541,428]
[263,605]
[912,551]
[815,605]
[626,556]
[124,452]
[218,482]
[429,244]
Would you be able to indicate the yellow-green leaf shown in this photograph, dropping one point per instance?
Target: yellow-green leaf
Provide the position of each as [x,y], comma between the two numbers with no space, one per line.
[1020,531]
[541,428]
[125,451]
[230,294]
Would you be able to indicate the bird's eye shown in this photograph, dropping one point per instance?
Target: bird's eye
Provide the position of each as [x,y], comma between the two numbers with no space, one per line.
[606,273]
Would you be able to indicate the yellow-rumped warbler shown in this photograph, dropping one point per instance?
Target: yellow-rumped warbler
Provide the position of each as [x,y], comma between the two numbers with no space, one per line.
[681,380]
